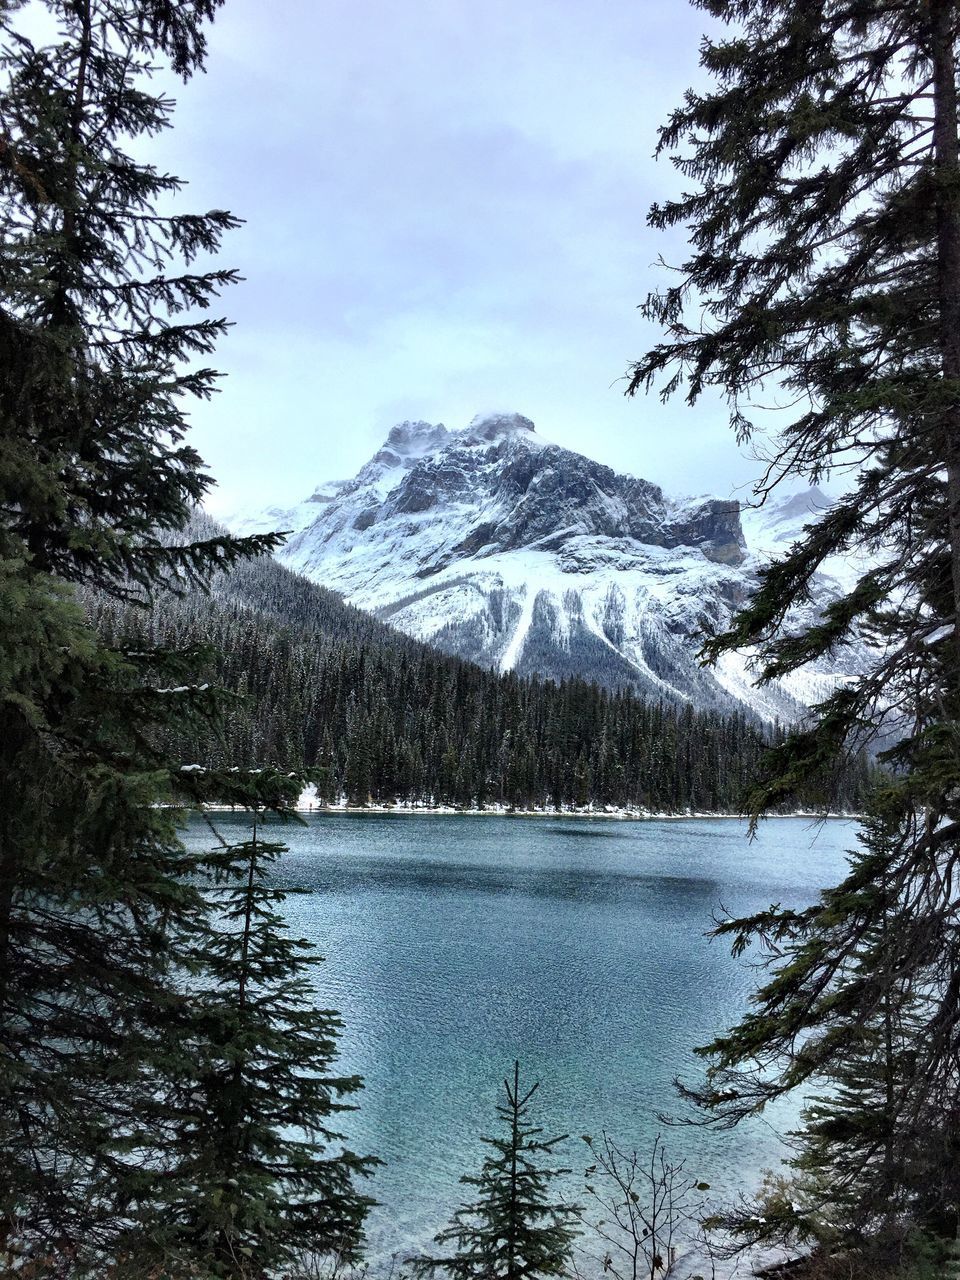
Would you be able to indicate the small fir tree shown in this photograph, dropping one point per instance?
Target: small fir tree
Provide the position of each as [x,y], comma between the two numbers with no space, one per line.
[512,1229]
[255,1173]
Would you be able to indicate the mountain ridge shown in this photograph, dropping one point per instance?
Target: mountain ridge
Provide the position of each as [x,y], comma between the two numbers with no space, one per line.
[498,546]
[386,720]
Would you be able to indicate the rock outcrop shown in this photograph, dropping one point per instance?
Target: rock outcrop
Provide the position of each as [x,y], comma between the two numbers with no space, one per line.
[496,545]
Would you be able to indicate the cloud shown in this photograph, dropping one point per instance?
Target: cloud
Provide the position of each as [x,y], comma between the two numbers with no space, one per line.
[445,209]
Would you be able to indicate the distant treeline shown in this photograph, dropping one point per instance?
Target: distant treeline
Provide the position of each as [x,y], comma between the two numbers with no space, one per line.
[386,718]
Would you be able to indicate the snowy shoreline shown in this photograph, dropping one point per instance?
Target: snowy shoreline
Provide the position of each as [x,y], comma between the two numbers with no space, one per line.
[310,802]
[312,806]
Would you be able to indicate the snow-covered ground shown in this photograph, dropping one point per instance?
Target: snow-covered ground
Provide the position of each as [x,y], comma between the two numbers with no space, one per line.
[310,802]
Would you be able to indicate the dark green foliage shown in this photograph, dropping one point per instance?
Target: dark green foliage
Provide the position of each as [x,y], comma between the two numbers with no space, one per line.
[823,202]
[877,1140]
[90,464]
[511,1230]
[817,259]
[253,1174]
[102,341]
[388,718]
[864,1159]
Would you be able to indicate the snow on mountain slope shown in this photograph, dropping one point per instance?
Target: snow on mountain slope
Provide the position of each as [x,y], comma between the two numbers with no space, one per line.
[496,545]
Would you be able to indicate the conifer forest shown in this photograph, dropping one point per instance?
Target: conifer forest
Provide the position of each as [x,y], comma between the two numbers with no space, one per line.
[573,890]
[383,719]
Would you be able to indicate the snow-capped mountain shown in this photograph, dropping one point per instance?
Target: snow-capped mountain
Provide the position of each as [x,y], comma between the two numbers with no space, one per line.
[496,545]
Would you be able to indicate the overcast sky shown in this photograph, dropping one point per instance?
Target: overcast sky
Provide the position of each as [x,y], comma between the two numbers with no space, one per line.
[445,209]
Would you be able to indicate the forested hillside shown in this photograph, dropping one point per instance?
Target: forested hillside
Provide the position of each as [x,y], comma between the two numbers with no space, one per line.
[495,545]
[386,718]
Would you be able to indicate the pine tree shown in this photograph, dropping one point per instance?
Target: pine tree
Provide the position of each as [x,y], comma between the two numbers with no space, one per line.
[823,242]
[254,1174]
[824,217]
[863,1157]
[290,649]
[512,1229]
[102,339]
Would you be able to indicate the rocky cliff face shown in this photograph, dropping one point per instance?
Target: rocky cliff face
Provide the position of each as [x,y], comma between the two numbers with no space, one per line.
[496,545]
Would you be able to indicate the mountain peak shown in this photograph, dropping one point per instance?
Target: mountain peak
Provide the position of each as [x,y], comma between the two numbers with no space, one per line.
[490,426]
[779,522]
[810,502]
[414,439]
[502,548]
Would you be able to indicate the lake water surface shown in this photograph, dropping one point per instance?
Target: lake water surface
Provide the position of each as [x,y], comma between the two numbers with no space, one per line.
[455,944]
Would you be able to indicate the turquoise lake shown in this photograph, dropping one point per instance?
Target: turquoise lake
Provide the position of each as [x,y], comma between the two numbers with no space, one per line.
[455,944]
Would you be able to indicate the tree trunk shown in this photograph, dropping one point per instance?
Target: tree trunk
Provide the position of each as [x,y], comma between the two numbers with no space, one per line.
[514,1144]
[15,738]
[943,21]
